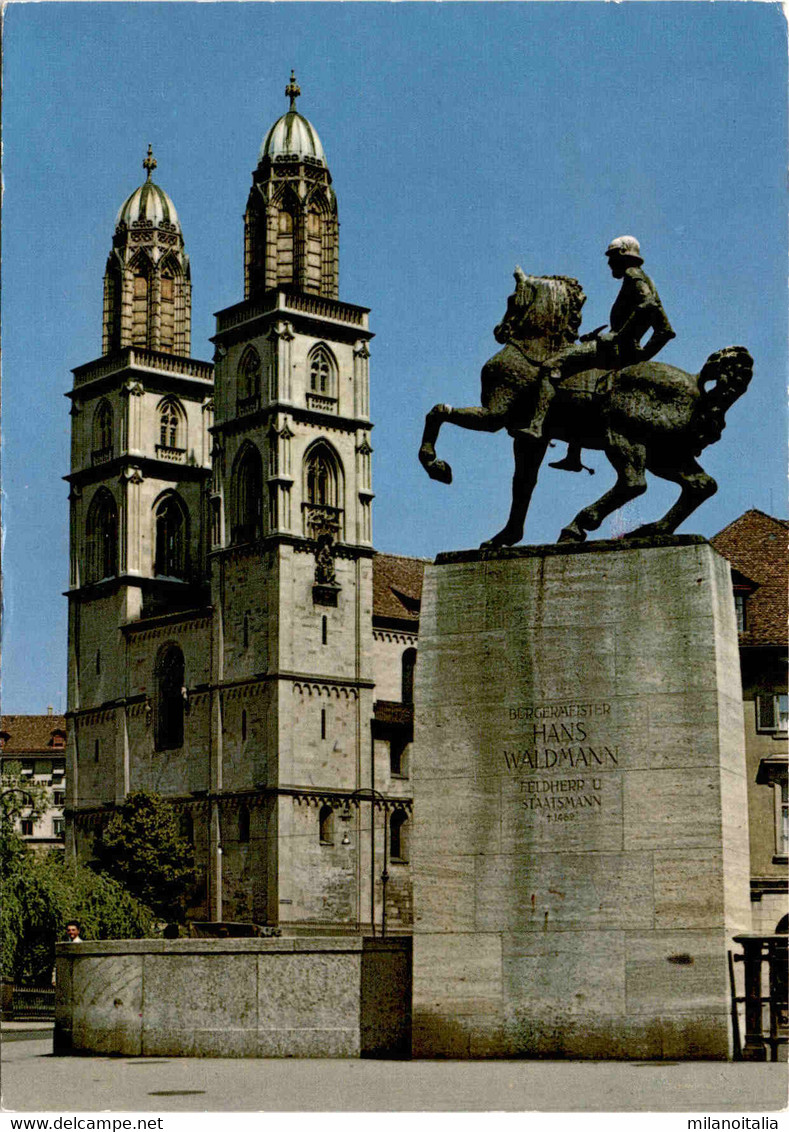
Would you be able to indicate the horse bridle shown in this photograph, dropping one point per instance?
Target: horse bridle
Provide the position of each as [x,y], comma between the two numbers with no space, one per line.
[532,361]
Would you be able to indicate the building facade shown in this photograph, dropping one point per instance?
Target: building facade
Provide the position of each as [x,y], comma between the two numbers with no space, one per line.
[35,747]
[225,648]
[755,545]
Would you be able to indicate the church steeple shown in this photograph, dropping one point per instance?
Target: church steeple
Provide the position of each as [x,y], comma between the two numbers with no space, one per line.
[290,226]
[147,284]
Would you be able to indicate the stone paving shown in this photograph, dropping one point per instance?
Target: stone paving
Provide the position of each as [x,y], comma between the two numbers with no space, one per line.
[35,1081]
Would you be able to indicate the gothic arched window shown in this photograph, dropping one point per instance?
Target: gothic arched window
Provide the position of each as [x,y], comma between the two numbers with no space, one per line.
[323,371]
[102,432]
[169,698]
[243,824]
[172,532]
[314,250]
[326,825]
[285,228]
[398,835]
[102,537]
[113,288]
[409,663]
[173,315]
[140,289]
[248,495]
[249,380]
[322,491]
[321,487]
[172,429]
[167,310]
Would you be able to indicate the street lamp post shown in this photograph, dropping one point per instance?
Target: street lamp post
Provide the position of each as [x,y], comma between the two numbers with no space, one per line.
[376,799]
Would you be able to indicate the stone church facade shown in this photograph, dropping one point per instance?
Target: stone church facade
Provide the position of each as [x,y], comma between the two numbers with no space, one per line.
[235,642]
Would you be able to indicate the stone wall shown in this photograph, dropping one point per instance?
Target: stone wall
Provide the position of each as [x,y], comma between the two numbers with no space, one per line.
[308,997]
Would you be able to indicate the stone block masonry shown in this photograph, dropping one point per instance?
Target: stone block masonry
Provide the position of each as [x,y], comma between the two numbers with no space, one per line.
[319,996]
[579,853]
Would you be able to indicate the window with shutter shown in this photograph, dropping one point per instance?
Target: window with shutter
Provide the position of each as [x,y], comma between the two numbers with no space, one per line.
[765,713]
[772,712]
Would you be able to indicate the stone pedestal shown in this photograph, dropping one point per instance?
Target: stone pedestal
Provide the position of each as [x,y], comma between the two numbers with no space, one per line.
[580,845]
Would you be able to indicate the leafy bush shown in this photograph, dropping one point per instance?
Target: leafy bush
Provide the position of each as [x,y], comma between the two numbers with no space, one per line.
[142,847]
[40,896]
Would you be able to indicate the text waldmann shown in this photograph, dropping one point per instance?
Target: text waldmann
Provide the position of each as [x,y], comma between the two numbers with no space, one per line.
[542,757]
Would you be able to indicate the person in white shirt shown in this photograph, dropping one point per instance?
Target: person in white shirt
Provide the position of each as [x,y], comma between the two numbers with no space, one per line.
[72,931]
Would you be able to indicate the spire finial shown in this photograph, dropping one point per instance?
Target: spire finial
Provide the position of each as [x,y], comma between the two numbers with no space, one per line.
[292,90]
[150,162]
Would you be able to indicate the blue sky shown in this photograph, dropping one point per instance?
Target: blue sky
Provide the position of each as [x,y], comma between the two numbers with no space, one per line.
[462,139]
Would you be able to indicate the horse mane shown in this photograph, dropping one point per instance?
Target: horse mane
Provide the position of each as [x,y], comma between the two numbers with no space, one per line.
[547,307]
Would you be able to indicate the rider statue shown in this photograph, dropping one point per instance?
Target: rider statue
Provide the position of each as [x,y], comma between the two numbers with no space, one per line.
[636,310]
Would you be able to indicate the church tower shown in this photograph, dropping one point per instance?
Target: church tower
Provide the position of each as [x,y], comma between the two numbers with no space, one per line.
[147,286]
[291,233]
[140,466]
[221,639]
[292,553]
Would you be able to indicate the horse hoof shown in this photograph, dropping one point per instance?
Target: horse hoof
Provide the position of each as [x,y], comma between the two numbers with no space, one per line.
[436,469]
[439,470]
[503,538]
[571,534]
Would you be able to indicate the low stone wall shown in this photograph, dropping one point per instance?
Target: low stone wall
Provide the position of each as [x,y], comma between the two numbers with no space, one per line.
[300,997]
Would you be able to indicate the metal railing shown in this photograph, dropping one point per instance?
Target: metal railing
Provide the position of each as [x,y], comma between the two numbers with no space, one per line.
[764,958]
[33,1004]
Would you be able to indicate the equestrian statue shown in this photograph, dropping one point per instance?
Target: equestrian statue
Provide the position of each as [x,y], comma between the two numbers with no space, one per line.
[600,391]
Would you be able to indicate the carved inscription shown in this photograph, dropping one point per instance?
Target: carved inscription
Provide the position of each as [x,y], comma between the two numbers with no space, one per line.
[559,798]
[560,738]
[560,711]
[561,758]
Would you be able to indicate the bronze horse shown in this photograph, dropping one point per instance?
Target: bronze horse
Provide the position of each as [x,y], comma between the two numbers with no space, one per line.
[647,417]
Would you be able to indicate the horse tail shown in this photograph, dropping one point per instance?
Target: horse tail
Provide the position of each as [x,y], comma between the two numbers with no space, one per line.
[731,370]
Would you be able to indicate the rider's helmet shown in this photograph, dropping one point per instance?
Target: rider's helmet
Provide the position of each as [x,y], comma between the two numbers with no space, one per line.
[626,246]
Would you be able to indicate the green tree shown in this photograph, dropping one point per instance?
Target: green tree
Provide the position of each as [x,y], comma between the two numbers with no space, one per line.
[42,893]
[142,847]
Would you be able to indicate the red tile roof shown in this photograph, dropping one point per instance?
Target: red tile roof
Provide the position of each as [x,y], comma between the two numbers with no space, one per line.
[755,545]
[397,587]
[31,732]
